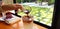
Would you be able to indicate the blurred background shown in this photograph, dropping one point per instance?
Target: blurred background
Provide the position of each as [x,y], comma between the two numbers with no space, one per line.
[42,10]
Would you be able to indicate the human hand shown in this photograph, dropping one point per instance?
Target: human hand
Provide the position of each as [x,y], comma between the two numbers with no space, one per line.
[12,7]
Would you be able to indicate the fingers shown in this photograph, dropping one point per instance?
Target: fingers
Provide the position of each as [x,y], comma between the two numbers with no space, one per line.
[19,6]
[8,7]
[12,7]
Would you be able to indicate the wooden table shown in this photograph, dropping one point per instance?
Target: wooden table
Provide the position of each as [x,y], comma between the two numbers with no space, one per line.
[39,27]
[3,25]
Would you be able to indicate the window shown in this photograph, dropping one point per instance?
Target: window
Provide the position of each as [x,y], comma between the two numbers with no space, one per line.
[42,10]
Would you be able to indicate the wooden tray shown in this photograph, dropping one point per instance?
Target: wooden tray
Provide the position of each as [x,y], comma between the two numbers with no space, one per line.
[17,25]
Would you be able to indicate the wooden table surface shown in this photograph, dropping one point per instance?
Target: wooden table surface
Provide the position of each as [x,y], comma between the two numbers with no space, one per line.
[39,27]
[3,25]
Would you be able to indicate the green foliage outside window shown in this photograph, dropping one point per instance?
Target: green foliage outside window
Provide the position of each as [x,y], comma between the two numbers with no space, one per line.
[19,1]
[51,2]
[41,14]
[39,0]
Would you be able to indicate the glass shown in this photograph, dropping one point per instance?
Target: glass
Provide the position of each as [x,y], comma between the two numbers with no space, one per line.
[27,19]
[28,22]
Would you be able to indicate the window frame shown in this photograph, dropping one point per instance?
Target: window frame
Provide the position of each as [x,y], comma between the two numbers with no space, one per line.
[56,16]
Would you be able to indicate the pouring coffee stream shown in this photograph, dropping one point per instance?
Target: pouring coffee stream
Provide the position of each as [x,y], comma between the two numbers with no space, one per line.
[27,11]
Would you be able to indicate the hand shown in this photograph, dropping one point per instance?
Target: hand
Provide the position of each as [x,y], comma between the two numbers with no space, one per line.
[12,7]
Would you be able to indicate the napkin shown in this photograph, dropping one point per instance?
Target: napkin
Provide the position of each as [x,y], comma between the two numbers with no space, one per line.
[2,18]
[12,20]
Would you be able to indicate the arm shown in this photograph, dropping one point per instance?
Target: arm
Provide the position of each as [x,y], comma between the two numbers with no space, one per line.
[12,7]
